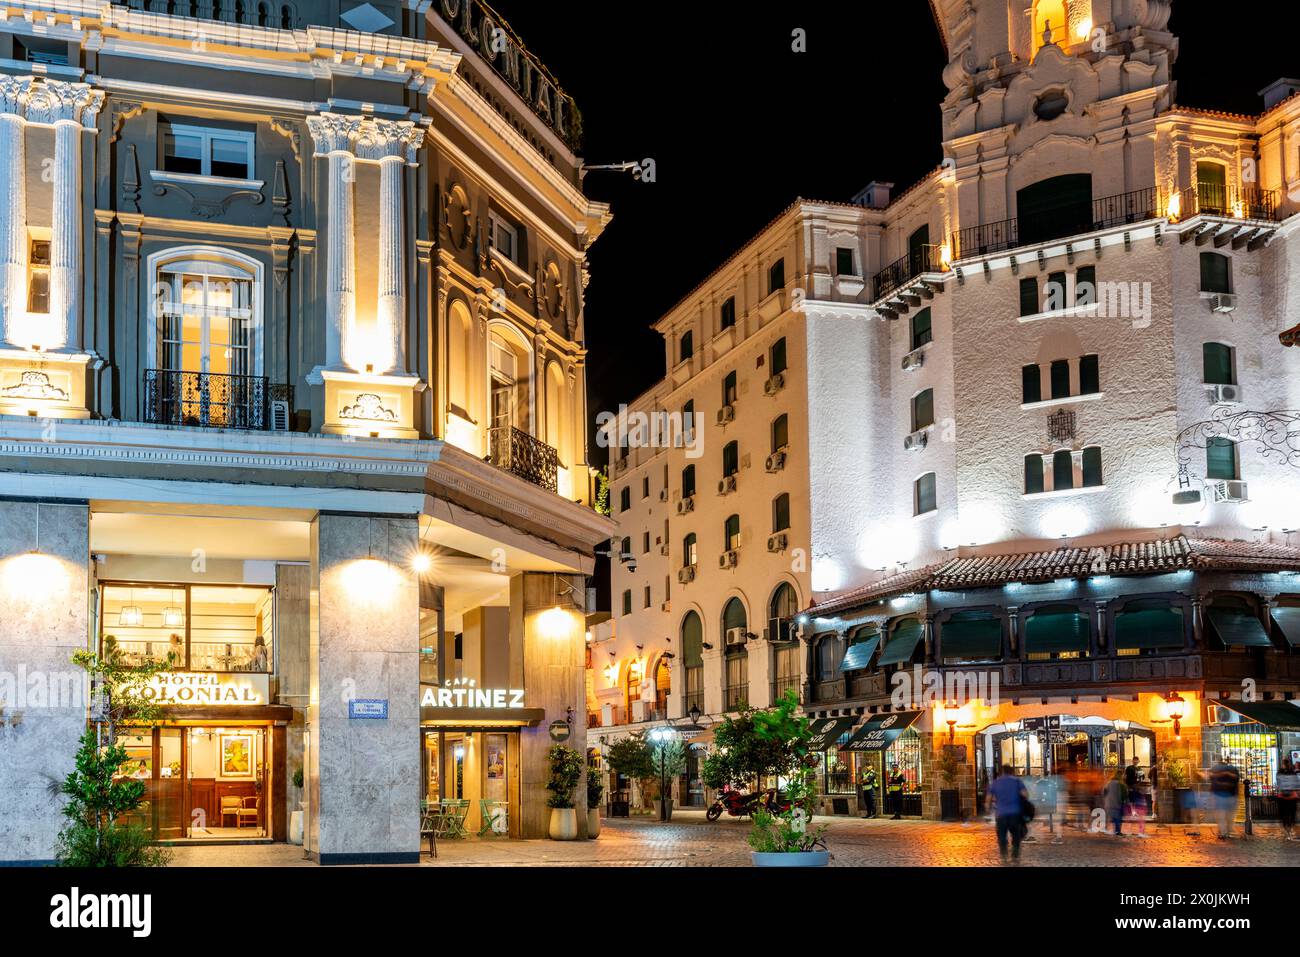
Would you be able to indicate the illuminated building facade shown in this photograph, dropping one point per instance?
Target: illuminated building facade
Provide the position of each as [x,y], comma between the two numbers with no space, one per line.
[292,386]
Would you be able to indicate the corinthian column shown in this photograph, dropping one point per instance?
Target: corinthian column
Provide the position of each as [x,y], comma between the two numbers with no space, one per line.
[393,144]
[334,136]
[68,107]
[13,205]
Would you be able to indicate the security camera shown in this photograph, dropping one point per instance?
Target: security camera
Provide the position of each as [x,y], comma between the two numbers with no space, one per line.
[631,565]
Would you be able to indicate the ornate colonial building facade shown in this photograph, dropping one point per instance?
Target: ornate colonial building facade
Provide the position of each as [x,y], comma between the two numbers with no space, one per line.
[292,386]
[1041,438]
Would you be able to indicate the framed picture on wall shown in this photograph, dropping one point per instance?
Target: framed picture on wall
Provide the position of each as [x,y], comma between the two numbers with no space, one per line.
[496,758]
[236,756]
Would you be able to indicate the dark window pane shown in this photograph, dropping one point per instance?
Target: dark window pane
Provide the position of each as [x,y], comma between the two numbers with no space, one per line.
[776,276]
[1055,292]
[921,328]
[844,262]
[729,389]
[1031,384]
[687,348]
[230,158]
[688,481]
[1220,458]
[1060,379]
[1214,273]
[780,432]
[1089,375]
[730,458]
[923,410]
[182,153]
[778,356]
[781,513]
[1062,470]
[625,500]
[1092,466]
[1085,286]
[925,494]
[1033,474]
[727,317]
[1217,359]
[1028,296]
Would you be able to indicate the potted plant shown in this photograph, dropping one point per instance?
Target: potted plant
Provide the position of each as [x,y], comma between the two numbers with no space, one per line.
[595,790]
[669,759]
[629,757]
[296,817]
[786,837]
[949,795]
[566,771]
[1177,773]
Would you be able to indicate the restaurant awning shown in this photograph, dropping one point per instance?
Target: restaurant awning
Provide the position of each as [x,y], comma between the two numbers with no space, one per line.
[971,637]
[1063,630]
[1287,620]
[826,731]
[902,643]
[1278,715]
[859,654]
[1149,628]
[880,731]
[1238,629]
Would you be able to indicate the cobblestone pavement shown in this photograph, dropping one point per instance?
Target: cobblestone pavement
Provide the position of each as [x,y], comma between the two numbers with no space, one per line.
[689,841]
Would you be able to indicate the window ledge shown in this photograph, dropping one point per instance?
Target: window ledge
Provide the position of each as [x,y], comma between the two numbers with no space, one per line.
[1047,403]
[198,179]
[921,516]
[1068,313]
[1065,492]
[510,265]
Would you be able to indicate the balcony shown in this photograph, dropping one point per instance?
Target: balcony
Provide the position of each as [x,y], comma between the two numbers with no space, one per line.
[279,15]
[901,272]
[218,400]
[1241,215]
[784,683]
[520,454]
[735,697]
[692,699]
[1107,212]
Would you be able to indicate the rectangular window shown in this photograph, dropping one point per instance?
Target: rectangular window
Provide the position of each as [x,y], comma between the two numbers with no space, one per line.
[688,481]
[1089,375]
[647,597]
[625,498]
[1062,470]
[923,410]
[924,497]
[844,262]
[776,357]
[921,332]
[731,532]
[690,553]
[1215,273]
[776,276]
[1029,296]
[730,458]
[1220,458]
[505,237]
[727,314]
[38,277]
[686,347]
[1033,474]
[1085,286]
[1060,375]
[627,602]
[1055,292]
[1217,363]
[645,542]
[1031,384]
[729,389]
[206,151]
[780,432]
[1092,466]
[781,512]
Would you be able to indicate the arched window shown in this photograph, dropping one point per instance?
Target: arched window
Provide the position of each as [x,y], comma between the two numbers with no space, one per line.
[632,686]
[509,372]
[663,687]
[1051,23]
[691,635]
[1216,273]
[1033,474]
[690,549]
[1212,188]
[736,659]
[459,329]
[781,607]
[733,616]
[1217,363]
[1092,476]
[1056,206]
[555,412]
[830,652]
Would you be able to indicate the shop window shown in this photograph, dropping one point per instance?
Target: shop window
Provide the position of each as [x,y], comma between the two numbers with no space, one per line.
[1031,384]
[1221,458]
[922,333]
[781,609]
[691,635]
[844,261]
[922,410]
[776,276]
[781,512]
[1217,363]
[38,277]
[206,151]
[727,314]
[1216,273]
[923,497]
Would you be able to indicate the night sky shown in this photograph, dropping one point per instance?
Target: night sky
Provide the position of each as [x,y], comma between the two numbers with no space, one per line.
[739,125]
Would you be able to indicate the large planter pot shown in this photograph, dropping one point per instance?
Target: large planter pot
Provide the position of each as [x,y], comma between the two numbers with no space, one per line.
[1184,802]
[593,822]
[564,824]
[790,859]
[661,813]
[950,804]
[295,827]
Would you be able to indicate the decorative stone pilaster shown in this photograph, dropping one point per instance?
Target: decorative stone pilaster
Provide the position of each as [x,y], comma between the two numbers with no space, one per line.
[334,136]
[13,207]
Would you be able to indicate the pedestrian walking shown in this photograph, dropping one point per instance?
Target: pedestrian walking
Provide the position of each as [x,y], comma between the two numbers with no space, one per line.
[895,783]
[870,785]
[1010,801]
[1288,794]
[1225,779]
[1113,797]
[1135,785]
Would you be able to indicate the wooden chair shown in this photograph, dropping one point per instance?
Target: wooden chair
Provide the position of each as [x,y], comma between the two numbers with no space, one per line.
[249,810]
[230,804]
[430,824]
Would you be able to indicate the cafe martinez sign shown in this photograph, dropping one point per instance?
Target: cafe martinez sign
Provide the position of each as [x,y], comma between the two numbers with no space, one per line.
[464,696]
[205,688]
[491,37]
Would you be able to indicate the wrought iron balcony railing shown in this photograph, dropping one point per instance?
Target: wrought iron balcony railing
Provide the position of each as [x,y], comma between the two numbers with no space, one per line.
[1235,202]
[251,13]
[521,454]
[902,271]
[175,397]
[735,697]
[1069,220]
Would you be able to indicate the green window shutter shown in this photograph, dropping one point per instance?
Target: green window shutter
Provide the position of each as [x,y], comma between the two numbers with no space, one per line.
[921,333]
[1033,474]
[1238,628]
[1089,375]
[1055,292]
[733,616]
[1092,466]
[1056,629]
[1031,384]
[902,643]
[1220,458]
[1287,619]
[1149,624]
[1215,275]
[923,410]
[1062,470]
[925,494]
[1085,286]
[863,645]
[972,636]
[1060,376]
[692,641]
[1029,296]
[1217,363]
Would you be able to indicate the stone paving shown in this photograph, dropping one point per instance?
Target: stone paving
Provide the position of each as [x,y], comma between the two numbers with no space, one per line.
[689,841]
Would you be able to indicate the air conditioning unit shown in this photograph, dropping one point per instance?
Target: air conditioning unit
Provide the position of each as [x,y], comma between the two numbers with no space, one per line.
[663,495]
[914,360]
[1227,490]
[728,559]
[735,636]
[727,485]
[686,505]
[777,542]
[775,462]
[279,415]
[1223,302]
[726,414]
[666,606]
[686,574]
[775,384]
[663,549]
[916,441]
[1224,393]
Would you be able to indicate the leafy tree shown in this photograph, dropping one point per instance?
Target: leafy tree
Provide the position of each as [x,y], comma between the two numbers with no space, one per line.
[633,757]
[566,771]
[595,786]
[99,831]
[602,492]
[757,744]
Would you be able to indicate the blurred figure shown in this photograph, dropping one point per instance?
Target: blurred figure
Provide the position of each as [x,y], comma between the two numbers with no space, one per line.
[1134,785]
[1113,797]
[1007,794]
[1225,779]
[1288,793]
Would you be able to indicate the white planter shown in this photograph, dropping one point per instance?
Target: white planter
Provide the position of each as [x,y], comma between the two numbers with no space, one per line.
[295,827]
[790,859]
[593,822]
[564,824]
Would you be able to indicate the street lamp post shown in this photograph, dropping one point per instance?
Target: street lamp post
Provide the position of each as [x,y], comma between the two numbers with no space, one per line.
[662,736]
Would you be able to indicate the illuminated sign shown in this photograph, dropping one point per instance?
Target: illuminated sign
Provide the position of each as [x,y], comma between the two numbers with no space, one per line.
[491,37]
[206,688]
[466,697]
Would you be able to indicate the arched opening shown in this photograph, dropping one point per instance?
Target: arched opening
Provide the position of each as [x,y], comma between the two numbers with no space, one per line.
[736,657]
[691,635]
[459,329]
[509,383]
[781,609]
[632,690]
[663,687]
[1051,24]
[1053,207]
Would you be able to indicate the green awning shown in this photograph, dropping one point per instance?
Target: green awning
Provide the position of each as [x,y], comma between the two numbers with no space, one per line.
[971,638]
[1049,631]
[1149,628]
[826,731]
[859,653]
[880,731]
[1278,715]
[1287,620]
[1238,629]
[902,643]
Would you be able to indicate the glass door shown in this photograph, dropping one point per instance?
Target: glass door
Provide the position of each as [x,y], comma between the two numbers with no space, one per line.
[169,786]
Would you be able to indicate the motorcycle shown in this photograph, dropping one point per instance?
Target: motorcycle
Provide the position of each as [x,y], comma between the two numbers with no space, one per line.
[741,804]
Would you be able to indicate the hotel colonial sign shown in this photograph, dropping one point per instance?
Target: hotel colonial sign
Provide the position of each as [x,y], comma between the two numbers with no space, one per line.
[203,689]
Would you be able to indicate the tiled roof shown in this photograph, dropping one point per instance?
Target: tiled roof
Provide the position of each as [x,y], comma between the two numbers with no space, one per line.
[1124,558]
